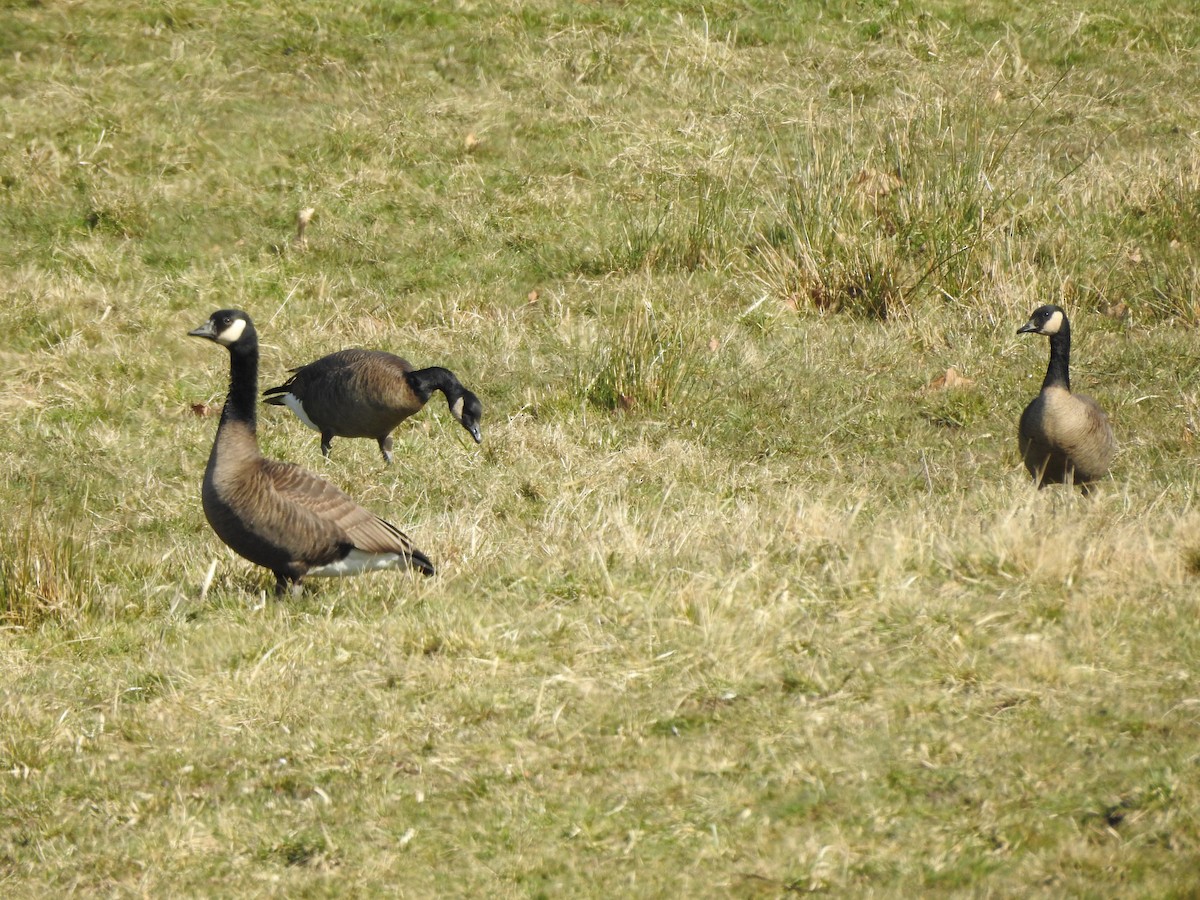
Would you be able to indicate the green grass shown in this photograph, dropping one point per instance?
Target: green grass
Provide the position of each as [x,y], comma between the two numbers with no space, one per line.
[731,600]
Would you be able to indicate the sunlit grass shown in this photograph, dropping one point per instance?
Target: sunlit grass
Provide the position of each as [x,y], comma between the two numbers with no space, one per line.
[740,595]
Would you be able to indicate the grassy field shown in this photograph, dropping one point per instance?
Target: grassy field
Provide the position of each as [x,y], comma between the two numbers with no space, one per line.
[736,598]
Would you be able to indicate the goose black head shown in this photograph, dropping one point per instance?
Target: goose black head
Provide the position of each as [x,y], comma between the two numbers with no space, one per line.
[468,410]
[227,327]
[1048,320]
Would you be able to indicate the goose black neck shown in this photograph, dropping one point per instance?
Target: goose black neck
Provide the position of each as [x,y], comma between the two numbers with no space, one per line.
[1058,372]
[425,381]
[240,405]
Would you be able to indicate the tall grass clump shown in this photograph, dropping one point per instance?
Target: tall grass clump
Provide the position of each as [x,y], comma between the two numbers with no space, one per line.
[868,218]
[672,224]
[45,573]
[738,596]
[1146,259]
[642,361]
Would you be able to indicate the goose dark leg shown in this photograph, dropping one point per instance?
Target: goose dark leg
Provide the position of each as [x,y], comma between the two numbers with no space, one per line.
[287,584]
[326,443]
[385,447]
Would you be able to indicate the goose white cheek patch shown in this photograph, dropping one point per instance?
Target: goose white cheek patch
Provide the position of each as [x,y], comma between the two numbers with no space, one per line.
[1053,323]
[293,403]
[457,409]
[232,333]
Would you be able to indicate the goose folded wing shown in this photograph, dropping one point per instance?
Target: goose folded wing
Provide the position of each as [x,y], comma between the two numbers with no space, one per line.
[302,375]
[278,521]
[324,502]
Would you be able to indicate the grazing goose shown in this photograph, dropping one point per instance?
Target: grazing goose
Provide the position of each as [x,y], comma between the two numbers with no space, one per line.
[1064,437]
[276,514]
[367,393]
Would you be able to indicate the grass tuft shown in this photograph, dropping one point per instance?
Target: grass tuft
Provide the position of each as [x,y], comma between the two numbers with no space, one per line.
[884,214]
[46,574]
[746,590]
[642,362]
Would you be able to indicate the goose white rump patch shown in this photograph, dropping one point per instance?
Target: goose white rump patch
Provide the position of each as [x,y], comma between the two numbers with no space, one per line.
[358,561]
[293,403]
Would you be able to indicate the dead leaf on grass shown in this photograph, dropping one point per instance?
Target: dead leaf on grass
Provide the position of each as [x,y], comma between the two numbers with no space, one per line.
[303,217]
[950,380]
[875,183]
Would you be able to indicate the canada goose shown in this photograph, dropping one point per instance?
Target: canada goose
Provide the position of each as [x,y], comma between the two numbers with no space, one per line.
[367,393]
[276,514]
[1064,437]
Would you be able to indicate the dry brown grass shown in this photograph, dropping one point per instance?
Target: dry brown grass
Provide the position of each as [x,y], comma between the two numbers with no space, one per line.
[735,598]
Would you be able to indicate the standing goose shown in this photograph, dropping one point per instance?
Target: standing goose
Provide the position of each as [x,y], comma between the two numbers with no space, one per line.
[276,514]
[367,393]
[1064,437]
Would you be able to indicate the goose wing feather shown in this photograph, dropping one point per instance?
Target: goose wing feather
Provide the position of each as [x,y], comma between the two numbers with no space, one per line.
[379,380]
[314,499]
[353,358]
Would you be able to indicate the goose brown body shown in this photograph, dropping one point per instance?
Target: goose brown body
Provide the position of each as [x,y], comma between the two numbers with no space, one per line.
[276,514]
[360,393]
[1064,438]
